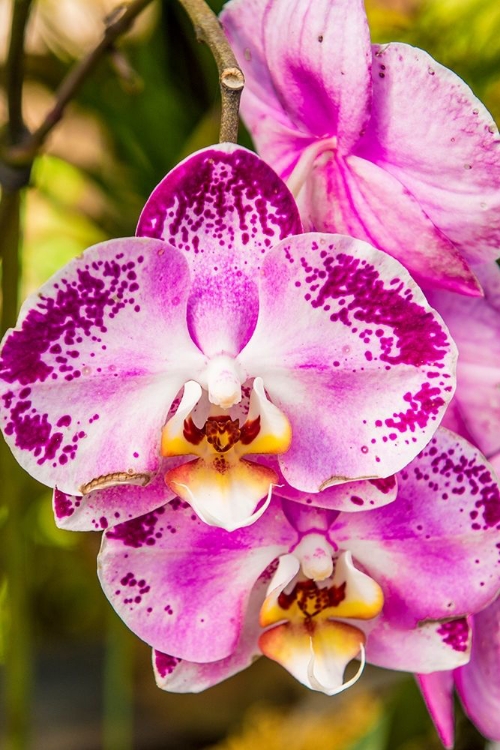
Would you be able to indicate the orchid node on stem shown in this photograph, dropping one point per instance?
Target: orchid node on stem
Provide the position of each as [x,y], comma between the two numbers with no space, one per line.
[231,78]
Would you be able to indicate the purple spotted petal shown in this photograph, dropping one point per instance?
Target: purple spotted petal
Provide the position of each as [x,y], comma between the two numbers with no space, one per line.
[181,676]
[183,586]
[428,647]
[107,507]
[429,130]
[350,497]
[478,683]
[359,363]
[441,530]
[88,375]
[437,690]
[475,327]
[224,208]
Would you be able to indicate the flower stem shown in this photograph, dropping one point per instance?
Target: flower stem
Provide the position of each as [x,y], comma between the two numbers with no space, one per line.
[231,78]
[24,153]
[18,654]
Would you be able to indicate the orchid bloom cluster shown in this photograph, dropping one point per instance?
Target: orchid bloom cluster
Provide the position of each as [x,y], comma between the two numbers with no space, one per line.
[246,397]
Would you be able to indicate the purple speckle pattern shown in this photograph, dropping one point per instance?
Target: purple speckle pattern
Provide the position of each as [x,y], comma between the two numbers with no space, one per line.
[165,664]
[59,341]
[225,203]
[383,315]
[384,485]
[456,634]
[143,531]
[64,505]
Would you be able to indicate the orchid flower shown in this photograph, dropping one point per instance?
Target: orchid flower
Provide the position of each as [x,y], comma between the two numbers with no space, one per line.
[380,142]
[219,333]
[475,326]
[477,683]
[314,588]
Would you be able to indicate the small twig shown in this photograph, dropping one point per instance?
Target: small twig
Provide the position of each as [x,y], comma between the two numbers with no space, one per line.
[232,80]
[15,69]
[25,153]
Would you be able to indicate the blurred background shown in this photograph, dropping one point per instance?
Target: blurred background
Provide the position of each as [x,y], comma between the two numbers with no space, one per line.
[86,680]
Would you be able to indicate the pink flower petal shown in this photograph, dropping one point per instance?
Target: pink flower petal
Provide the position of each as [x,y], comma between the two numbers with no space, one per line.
[107,507]
[429,130]
[437,690]
[475,327]
[353,196]
[441,530]
[183,586]
[86,387]
[359,363]
[428,647]
[478,682]
[224,208]
[350,496]
[181,676]
[319,56]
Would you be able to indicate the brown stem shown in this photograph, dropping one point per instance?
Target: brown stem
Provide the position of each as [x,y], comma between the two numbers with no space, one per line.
[232,80]
[27,151]
[15,68]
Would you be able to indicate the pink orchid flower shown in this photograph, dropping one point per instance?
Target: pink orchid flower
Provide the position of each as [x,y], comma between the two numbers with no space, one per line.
[314,588]
[315,347]
[477,683]
[380,142]
[475,326]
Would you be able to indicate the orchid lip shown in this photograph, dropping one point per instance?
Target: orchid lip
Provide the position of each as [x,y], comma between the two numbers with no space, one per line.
[222,487]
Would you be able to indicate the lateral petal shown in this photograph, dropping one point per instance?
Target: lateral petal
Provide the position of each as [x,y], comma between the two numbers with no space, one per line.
[446,518]
[360,364]
[183,586]
[86,387]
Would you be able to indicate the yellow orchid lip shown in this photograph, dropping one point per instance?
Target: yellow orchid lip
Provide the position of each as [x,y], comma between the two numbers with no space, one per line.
[304,616]
[223,488]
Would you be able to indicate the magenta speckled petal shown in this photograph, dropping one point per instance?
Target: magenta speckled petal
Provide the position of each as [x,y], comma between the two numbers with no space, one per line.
[441,530]
[349,497]
[437,690]
[183,586]
[359,363]
[478,683]
[97,358]
[429,130]
[224,208]
[107,507]
[181,676]
[475,327]
[430,646]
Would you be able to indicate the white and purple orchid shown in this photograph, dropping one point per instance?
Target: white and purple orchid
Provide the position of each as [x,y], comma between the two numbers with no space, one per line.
[219,332]
[380,142]
[313,588]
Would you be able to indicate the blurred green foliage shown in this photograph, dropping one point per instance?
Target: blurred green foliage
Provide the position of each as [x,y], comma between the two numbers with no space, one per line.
[123,133]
